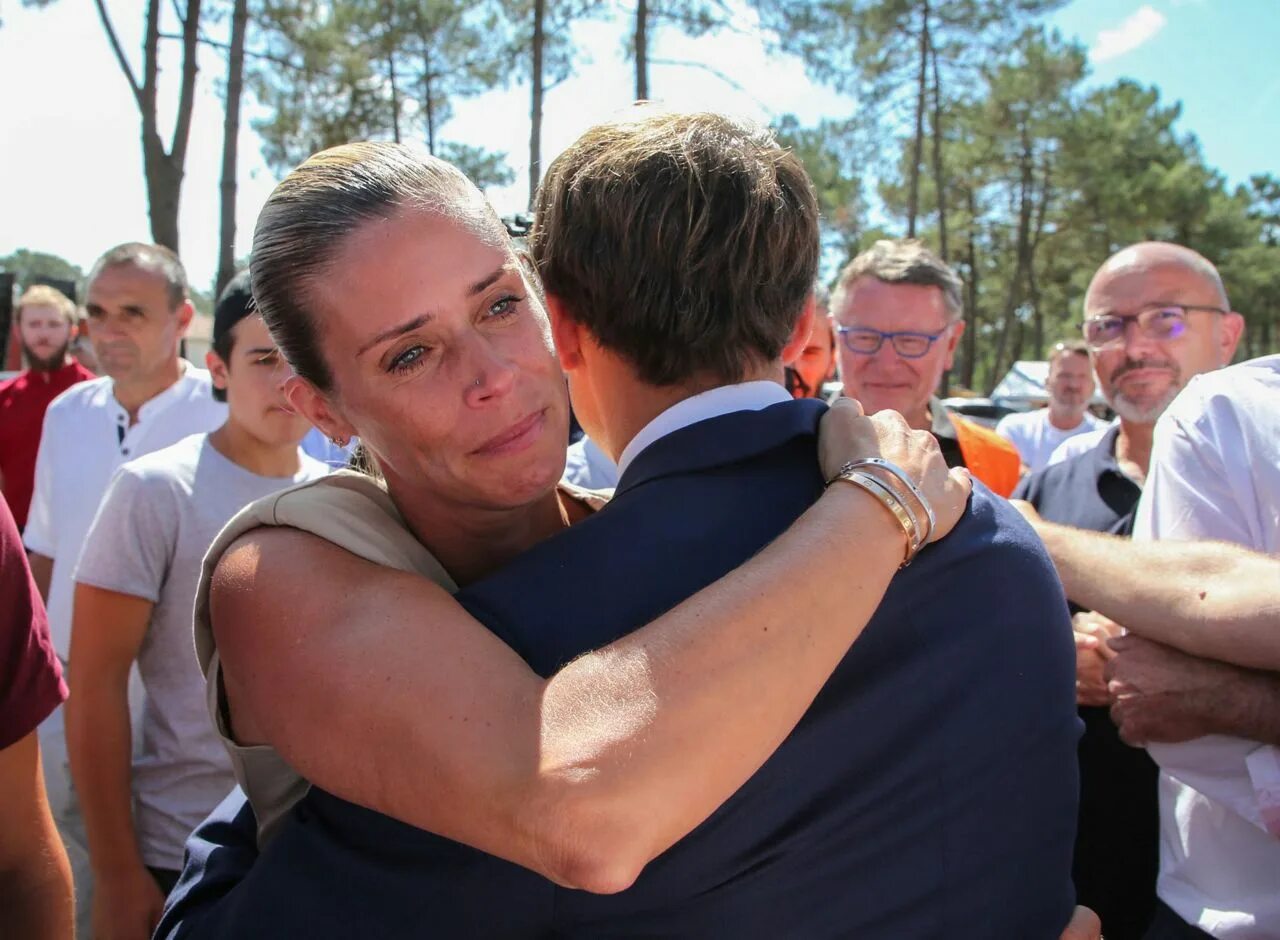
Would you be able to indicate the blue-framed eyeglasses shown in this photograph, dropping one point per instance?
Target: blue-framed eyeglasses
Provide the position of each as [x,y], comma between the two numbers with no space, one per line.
[1158,322]
[865,341]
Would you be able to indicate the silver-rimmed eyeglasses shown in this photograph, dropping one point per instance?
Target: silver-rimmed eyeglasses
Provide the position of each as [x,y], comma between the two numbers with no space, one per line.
[1158,322]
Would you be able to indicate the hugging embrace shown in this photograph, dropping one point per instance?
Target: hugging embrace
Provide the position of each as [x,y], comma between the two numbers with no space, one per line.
[465,701]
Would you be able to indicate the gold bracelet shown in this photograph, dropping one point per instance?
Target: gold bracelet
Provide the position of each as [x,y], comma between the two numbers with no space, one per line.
[891,501]
[895,470]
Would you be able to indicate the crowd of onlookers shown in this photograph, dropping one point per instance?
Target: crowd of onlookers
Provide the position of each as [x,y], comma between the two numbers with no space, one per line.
[1163,525]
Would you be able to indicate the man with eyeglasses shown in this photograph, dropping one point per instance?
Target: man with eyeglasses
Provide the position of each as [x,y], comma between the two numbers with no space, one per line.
[1155,314]
[898,318]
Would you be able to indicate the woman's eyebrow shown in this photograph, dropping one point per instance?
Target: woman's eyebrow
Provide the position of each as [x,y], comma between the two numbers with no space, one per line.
[487,281]
[392,332]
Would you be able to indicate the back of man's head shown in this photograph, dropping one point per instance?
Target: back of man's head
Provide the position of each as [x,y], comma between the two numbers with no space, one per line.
[687,244]
[154,259]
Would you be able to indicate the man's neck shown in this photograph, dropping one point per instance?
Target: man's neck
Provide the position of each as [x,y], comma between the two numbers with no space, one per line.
[235,443]
[1133,449]
[1065,420]
[133,395]
[633,404]
[471,542]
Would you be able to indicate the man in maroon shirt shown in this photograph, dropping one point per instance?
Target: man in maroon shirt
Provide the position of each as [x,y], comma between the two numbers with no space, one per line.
[35,880]
[46,325]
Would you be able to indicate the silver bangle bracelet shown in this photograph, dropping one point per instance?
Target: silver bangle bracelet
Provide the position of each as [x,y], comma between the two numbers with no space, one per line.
[887,497]
[898,472]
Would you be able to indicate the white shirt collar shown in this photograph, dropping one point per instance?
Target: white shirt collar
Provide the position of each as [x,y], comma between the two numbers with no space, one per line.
[154,405]
[744,396]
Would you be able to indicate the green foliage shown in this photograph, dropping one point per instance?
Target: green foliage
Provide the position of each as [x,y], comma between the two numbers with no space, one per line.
[483,167]
[834,153]
[27,266]
[1046,179]
[341,70]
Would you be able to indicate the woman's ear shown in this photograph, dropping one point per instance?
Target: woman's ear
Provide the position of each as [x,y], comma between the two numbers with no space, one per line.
[314,405]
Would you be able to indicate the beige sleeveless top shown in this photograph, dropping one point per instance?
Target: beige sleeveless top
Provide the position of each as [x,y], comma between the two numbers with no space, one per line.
[354,512]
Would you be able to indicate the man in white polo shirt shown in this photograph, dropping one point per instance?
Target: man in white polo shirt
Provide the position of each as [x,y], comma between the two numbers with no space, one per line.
[148,398]
[1038,433]
[1215,474]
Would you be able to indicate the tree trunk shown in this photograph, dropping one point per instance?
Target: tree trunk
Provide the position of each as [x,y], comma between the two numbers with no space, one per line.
[428,98]
[535,106]
[939,177]
[1033,285]
[164,188]
[1016,285]
[642,50]
[395,94]
[230,134]
[917,147]
[971,334]
[163,170]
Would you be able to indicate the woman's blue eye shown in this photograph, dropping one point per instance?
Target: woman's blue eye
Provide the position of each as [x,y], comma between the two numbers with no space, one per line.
[504,306]
[406,359]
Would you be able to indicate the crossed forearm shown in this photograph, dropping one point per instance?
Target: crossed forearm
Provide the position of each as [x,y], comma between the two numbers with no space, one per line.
[1208,599]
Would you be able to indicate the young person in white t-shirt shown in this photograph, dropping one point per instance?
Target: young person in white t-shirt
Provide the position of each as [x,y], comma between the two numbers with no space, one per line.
[135,588]
[1070,385]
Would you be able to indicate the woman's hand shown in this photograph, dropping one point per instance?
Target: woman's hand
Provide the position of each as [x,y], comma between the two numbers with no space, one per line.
[846,434]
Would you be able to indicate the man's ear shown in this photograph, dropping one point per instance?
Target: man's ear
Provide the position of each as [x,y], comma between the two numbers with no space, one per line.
[217,370]
[566,332]
[1232,326]
[312,404]
[801,332]
[185,313]
[953,341]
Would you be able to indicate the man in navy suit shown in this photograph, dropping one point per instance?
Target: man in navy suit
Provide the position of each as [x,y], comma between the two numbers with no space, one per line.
[929,791]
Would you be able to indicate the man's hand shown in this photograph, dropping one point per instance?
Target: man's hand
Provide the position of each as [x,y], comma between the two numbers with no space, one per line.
[1162,694]
[1092,631]
[1084,926]
[126,904]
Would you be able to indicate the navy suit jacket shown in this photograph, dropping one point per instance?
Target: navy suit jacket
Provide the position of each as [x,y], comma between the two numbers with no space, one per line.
[930,790]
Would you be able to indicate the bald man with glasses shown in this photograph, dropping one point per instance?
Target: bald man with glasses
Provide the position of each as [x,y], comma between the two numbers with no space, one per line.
[898,317]
[1155,314]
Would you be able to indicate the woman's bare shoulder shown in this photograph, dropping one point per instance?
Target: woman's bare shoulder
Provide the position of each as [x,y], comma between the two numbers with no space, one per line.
[345,510]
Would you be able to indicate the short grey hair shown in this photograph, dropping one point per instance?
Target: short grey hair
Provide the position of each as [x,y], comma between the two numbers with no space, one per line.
[902,261]
[154,259]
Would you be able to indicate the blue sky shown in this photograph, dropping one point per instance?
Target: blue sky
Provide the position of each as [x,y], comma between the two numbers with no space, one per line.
[70,165]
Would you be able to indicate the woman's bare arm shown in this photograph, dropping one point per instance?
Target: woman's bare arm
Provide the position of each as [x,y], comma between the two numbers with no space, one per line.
[583,777]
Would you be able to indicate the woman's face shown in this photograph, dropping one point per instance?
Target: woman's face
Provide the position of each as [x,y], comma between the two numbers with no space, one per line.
[442,362]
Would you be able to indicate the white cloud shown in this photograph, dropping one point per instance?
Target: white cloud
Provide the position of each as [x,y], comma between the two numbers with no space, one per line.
[1137,29]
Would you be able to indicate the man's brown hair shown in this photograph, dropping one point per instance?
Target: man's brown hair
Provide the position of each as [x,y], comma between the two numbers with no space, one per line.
[685,243]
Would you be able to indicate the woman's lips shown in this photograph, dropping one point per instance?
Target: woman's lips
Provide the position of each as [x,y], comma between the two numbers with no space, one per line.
[516,438]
